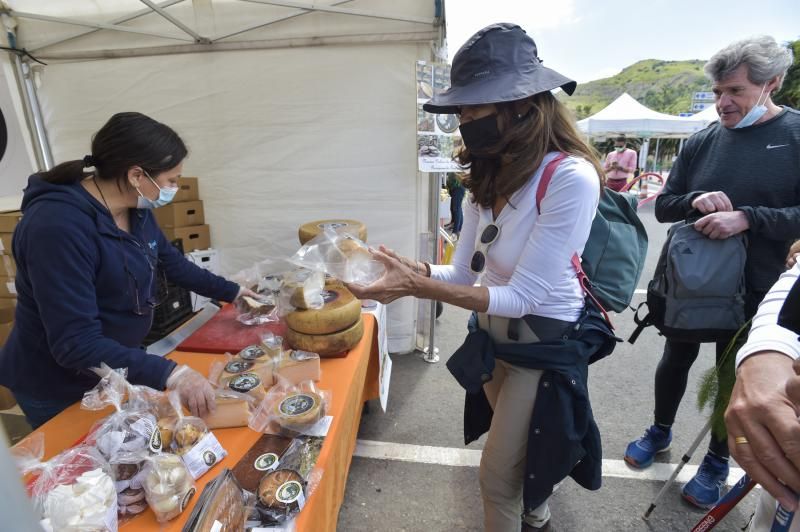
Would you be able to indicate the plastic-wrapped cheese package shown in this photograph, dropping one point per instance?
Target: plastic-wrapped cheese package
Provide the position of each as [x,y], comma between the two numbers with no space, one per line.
[72,491]
[340,255]
[168,486]
[290,409]
[257,310]
[302,288]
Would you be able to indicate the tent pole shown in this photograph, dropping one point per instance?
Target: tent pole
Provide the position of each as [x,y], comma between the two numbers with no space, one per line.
[30,103]
[434,191]
[342,11]
[655,159]
[423,36]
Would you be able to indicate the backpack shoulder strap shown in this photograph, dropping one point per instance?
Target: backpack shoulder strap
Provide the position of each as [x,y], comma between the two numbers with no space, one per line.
[541,190]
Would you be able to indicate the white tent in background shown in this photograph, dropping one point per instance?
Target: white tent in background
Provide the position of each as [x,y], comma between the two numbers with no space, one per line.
[707,115]
[626,115]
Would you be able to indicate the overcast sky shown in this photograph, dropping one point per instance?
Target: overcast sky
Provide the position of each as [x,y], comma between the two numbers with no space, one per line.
[592,39]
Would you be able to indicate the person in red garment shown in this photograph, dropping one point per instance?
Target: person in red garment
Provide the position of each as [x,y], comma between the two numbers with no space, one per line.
[620,164]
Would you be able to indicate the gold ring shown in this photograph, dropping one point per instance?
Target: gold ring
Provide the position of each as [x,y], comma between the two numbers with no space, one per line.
[740,439]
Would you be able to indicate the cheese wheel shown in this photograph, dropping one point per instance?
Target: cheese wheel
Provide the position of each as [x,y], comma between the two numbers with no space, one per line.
[309,230]
[340,311]
[299,409]
[333,344]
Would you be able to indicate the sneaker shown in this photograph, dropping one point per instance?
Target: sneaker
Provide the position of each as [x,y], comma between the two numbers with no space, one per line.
[641,453]
[705,488]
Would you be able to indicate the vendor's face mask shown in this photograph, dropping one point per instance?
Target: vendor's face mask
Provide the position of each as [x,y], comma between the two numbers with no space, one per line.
[165,196]
[480,134]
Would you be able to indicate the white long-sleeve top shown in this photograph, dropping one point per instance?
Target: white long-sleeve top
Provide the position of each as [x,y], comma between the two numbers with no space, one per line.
[765,333]
[528,268]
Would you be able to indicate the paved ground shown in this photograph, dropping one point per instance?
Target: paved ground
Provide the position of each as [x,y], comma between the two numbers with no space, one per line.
[425,409]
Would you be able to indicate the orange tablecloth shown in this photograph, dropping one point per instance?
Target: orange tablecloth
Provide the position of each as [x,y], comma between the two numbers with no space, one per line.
[351,380]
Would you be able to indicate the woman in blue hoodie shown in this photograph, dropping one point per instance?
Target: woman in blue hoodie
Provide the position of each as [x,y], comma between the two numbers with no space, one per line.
[88,253]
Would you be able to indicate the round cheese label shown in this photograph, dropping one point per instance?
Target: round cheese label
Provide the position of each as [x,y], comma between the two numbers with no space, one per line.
[288,492]
[266,462]
[156,442]
[239,366]
[209,458]
[332,225]
[187,498]
[244,382]
[299,355]
[252,352]
[296,405]
[329,296]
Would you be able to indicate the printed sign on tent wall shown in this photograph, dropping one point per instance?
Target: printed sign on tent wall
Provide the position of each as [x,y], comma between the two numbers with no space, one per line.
[438,139]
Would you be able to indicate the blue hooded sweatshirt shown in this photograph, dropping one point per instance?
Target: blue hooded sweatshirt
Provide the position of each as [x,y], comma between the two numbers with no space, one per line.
[85,293]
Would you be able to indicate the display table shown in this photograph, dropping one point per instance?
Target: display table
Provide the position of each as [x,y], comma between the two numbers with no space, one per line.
[351,381]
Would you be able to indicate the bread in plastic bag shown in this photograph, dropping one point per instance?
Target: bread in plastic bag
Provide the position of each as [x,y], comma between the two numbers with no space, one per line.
[222,506]
[168,486]
[197,446]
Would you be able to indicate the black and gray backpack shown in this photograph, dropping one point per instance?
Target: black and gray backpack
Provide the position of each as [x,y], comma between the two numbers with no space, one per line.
[697,292]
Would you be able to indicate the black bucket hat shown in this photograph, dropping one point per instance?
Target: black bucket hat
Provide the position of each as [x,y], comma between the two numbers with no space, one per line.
[498,64]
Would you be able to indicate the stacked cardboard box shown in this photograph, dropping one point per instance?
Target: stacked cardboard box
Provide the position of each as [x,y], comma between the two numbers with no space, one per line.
[184,218]
[8,292]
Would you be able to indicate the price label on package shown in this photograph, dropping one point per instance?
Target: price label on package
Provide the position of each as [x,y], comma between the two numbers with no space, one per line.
[204,455]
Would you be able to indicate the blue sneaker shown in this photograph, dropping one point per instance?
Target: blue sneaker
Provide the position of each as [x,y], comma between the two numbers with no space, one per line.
[705,489]
[641,453]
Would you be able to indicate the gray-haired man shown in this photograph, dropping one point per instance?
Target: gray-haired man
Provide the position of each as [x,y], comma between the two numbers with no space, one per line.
[741,174]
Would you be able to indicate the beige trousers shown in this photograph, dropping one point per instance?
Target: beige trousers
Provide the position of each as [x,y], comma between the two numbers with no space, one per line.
[511,393]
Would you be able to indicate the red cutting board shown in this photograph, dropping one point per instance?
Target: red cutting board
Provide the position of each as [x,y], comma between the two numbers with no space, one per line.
[223,334]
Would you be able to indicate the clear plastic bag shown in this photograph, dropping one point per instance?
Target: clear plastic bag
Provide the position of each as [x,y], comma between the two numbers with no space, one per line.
[301,289]
[283,492]
[290,410]
[340,255]
[72,491]
[223,502]
[130,429]
[168,486]
[258,310]
[197,446]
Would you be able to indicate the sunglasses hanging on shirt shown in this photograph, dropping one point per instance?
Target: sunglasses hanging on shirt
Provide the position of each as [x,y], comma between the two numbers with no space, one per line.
[489,235]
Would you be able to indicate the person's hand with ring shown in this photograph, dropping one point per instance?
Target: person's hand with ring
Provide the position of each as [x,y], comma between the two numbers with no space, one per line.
[763,429]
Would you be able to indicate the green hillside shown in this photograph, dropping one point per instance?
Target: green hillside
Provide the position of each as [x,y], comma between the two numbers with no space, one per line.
[665,86]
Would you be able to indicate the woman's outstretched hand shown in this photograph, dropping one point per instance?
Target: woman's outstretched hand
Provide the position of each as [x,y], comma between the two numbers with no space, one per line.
[402,278]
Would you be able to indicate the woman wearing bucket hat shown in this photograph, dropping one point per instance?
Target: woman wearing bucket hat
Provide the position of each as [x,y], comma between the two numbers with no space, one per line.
[524,363]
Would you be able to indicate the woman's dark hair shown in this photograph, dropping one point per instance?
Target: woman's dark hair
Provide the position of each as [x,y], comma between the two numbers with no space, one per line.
[505,167]
[126,140]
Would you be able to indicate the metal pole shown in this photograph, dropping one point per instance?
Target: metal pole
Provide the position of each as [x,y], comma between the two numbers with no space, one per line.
[38,121]
[685,460]
[434,187]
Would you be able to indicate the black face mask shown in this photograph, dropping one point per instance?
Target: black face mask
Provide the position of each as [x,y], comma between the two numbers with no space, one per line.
[480,134]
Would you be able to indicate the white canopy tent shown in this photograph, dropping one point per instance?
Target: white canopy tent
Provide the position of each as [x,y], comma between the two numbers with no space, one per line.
[628,116]
[292,111]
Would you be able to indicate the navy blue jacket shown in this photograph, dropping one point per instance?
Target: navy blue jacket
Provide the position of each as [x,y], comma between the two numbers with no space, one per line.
[563,438]
[81,285]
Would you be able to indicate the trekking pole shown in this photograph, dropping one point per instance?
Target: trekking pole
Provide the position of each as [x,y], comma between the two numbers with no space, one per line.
[684,460]
[725,505]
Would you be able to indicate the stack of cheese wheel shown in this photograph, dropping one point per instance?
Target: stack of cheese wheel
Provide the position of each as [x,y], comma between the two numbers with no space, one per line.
[331,330]
[309,230]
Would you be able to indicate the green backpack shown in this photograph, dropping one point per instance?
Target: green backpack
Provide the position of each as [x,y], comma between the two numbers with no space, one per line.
[613,258]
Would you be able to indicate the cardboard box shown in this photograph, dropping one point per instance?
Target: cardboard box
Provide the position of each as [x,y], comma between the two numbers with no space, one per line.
[7,288]
[183,214]
[9,220]
[188,190]
[7,266]
[194,237]
[5,243]
[7,307]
